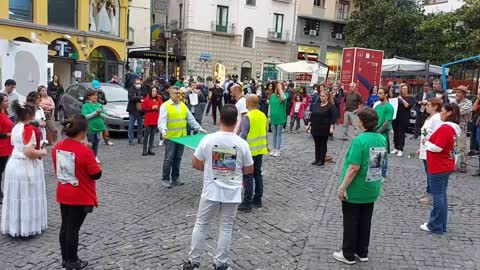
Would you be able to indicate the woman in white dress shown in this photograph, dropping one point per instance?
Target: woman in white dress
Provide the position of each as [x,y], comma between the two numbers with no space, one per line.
[24,210]
[93,8]
[102,20]
[40,120]
[112,13]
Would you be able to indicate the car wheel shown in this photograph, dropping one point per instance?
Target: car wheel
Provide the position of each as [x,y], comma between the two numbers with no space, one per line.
[61,115]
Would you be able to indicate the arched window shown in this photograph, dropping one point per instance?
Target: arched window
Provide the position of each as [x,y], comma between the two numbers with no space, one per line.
[104,16]
[248,37]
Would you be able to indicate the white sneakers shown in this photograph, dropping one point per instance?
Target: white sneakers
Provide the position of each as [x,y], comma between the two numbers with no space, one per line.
[160,143]
[109,143]
[274,153]
[98,161]
[339,257]
[424,227]
[398,152]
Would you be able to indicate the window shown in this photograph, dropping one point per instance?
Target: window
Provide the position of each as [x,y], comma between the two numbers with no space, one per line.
[338,31]
[62,13]
[104,17]
[248,38]
[180,17]
[319,3]
[251,2]
[343,8]
[278,22]
[311,27]
[222,19]
[20,10]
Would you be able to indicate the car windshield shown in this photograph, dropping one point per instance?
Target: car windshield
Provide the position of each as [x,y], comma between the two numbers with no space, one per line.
[114,93]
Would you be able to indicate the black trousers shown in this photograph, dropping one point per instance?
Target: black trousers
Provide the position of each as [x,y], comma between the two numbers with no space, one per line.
[399,129]
[3,164]
[72,219]
[216,105]
[294,119]
[357,221]
[473,136]
[419,121]
[320,148]
[148,136]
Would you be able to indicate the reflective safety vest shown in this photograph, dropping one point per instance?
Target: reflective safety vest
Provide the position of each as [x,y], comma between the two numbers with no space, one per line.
[257,135]
[176,121]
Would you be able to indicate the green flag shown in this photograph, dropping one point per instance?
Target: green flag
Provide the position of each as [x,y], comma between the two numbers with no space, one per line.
[191,141]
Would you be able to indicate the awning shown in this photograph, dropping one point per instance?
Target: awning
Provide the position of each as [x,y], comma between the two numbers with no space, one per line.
[155,55]
[300,67]
[403,65]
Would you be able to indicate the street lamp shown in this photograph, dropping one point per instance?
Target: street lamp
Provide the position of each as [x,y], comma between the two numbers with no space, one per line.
[167,35]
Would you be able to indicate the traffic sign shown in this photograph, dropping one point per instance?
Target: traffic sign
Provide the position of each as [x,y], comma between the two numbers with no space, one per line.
[204,57]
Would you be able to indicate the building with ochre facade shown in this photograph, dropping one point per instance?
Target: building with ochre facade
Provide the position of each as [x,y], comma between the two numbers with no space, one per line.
[86,38]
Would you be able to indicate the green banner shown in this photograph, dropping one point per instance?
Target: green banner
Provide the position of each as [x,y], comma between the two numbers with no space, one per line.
[191,141]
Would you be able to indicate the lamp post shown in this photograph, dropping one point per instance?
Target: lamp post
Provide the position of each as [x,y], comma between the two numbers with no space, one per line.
[167,35]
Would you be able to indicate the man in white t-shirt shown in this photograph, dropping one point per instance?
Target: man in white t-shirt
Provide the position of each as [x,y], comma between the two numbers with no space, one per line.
[241,104]
[224,158]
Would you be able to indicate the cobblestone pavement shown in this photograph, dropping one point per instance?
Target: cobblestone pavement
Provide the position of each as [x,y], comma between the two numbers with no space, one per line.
[141,225]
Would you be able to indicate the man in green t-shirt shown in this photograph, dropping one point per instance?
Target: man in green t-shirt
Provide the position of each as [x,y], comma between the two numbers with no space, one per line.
[360,186]
[385,117]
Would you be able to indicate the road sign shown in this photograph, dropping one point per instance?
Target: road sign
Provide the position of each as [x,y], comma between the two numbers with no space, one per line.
[204,57]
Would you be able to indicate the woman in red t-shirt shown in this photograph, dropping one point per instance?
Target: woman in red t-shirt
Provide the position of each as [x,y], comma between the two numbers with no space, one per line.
[77,172]
[440,164]
[150,106]
[6,147]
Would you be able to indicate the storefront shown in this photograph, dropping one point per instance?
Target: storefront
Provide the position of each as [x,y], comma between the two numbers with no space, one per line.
[157,61]
[334,61]
[219,72]
[310,53]
[62,55]
[103,64]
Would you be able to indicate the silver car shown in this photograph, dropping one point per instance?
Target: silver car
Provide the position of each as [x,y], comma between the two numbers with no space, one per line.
[116,96]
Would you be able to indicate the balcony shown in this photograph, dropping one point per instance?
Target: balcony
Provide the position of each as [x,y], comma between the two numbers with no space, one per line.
[176,25]
[284,1]
[276,36]
[227,29]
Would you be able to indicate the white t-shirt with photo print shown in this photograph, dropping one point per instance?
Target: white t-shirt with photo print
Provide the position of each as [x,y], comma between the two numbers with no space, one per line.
[224,155]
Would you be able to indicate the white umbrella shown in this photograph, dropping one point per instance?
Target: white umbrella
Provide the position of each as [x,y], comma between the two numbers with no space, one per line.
[300,67]
[406,65]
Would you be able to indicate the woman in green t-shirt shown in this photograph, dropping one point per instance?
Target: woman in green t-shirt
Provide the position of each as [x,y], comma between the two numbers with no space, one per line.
[277,116]
[95,113]
[360,186]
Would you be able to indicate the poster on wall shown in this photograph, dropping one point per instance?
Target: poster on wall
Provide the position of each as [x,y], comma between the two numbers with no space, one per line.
[26,63]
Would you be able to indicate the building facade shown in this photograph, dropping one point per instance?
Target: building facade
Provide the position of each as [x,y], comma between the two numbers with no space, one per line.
[437,6]
[86,38]
[139,27]
[247,38]
[320,31]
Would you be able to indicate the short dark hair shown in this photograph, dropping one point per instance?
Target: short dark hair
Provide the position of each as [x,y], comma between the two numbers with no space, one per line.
[368,117]
[455,116]
[228,115]
[32,96]
[385,90]
[91,92]
[10,82]
[75,125]
[22,111]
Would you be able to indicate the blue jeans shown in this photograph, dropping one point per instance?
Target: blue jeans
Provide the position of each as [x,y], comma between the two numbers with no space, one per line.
[171,162]
[428,189]
[439,214]
[132,118]
[277,136]
[94,140]
[248,180]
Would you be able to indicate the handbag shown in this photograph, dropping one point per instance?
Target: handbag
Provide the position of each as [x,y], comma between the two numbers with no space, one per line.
[139,106]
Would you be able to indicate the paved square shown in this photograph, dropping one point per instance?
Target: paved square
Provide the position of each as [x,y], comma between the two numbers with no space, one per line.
[141,225]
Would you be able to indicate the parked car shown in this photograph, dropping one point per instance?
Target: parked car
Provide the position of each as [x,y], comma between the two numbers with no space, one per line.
[116,96]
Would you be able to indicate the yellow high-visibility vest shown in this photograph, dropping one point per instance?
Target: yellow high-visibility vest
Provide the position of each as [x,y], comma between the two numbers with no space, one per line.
[176,121]
[257,135]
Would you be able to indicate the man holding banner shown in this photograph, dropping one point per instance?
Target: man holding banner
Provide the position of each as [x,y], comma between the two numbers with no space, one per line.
[173,121]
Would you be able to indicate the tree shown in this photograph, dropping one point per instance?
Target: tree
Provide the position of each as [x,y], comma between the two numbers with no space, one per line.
[387,25]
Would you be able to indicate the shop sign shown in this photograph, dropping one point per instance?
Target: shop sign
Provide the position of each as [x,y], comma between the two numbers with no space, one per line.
[303,77]
[62,48]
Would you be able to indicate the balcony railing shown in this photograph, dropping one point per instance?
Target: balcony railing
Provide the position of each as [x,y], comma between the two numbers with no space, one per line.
[176,25]
[278,36]
[227,29]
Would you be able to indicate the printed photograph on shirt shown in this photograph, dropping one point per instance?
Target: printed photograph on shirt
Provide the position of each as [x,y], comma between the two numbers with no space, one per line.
[224,162]
[375,163]
[66,168]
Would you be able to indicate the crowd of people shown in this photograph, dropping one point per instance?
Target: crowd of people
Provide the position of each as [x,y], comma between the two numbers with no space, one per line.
[231,158]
